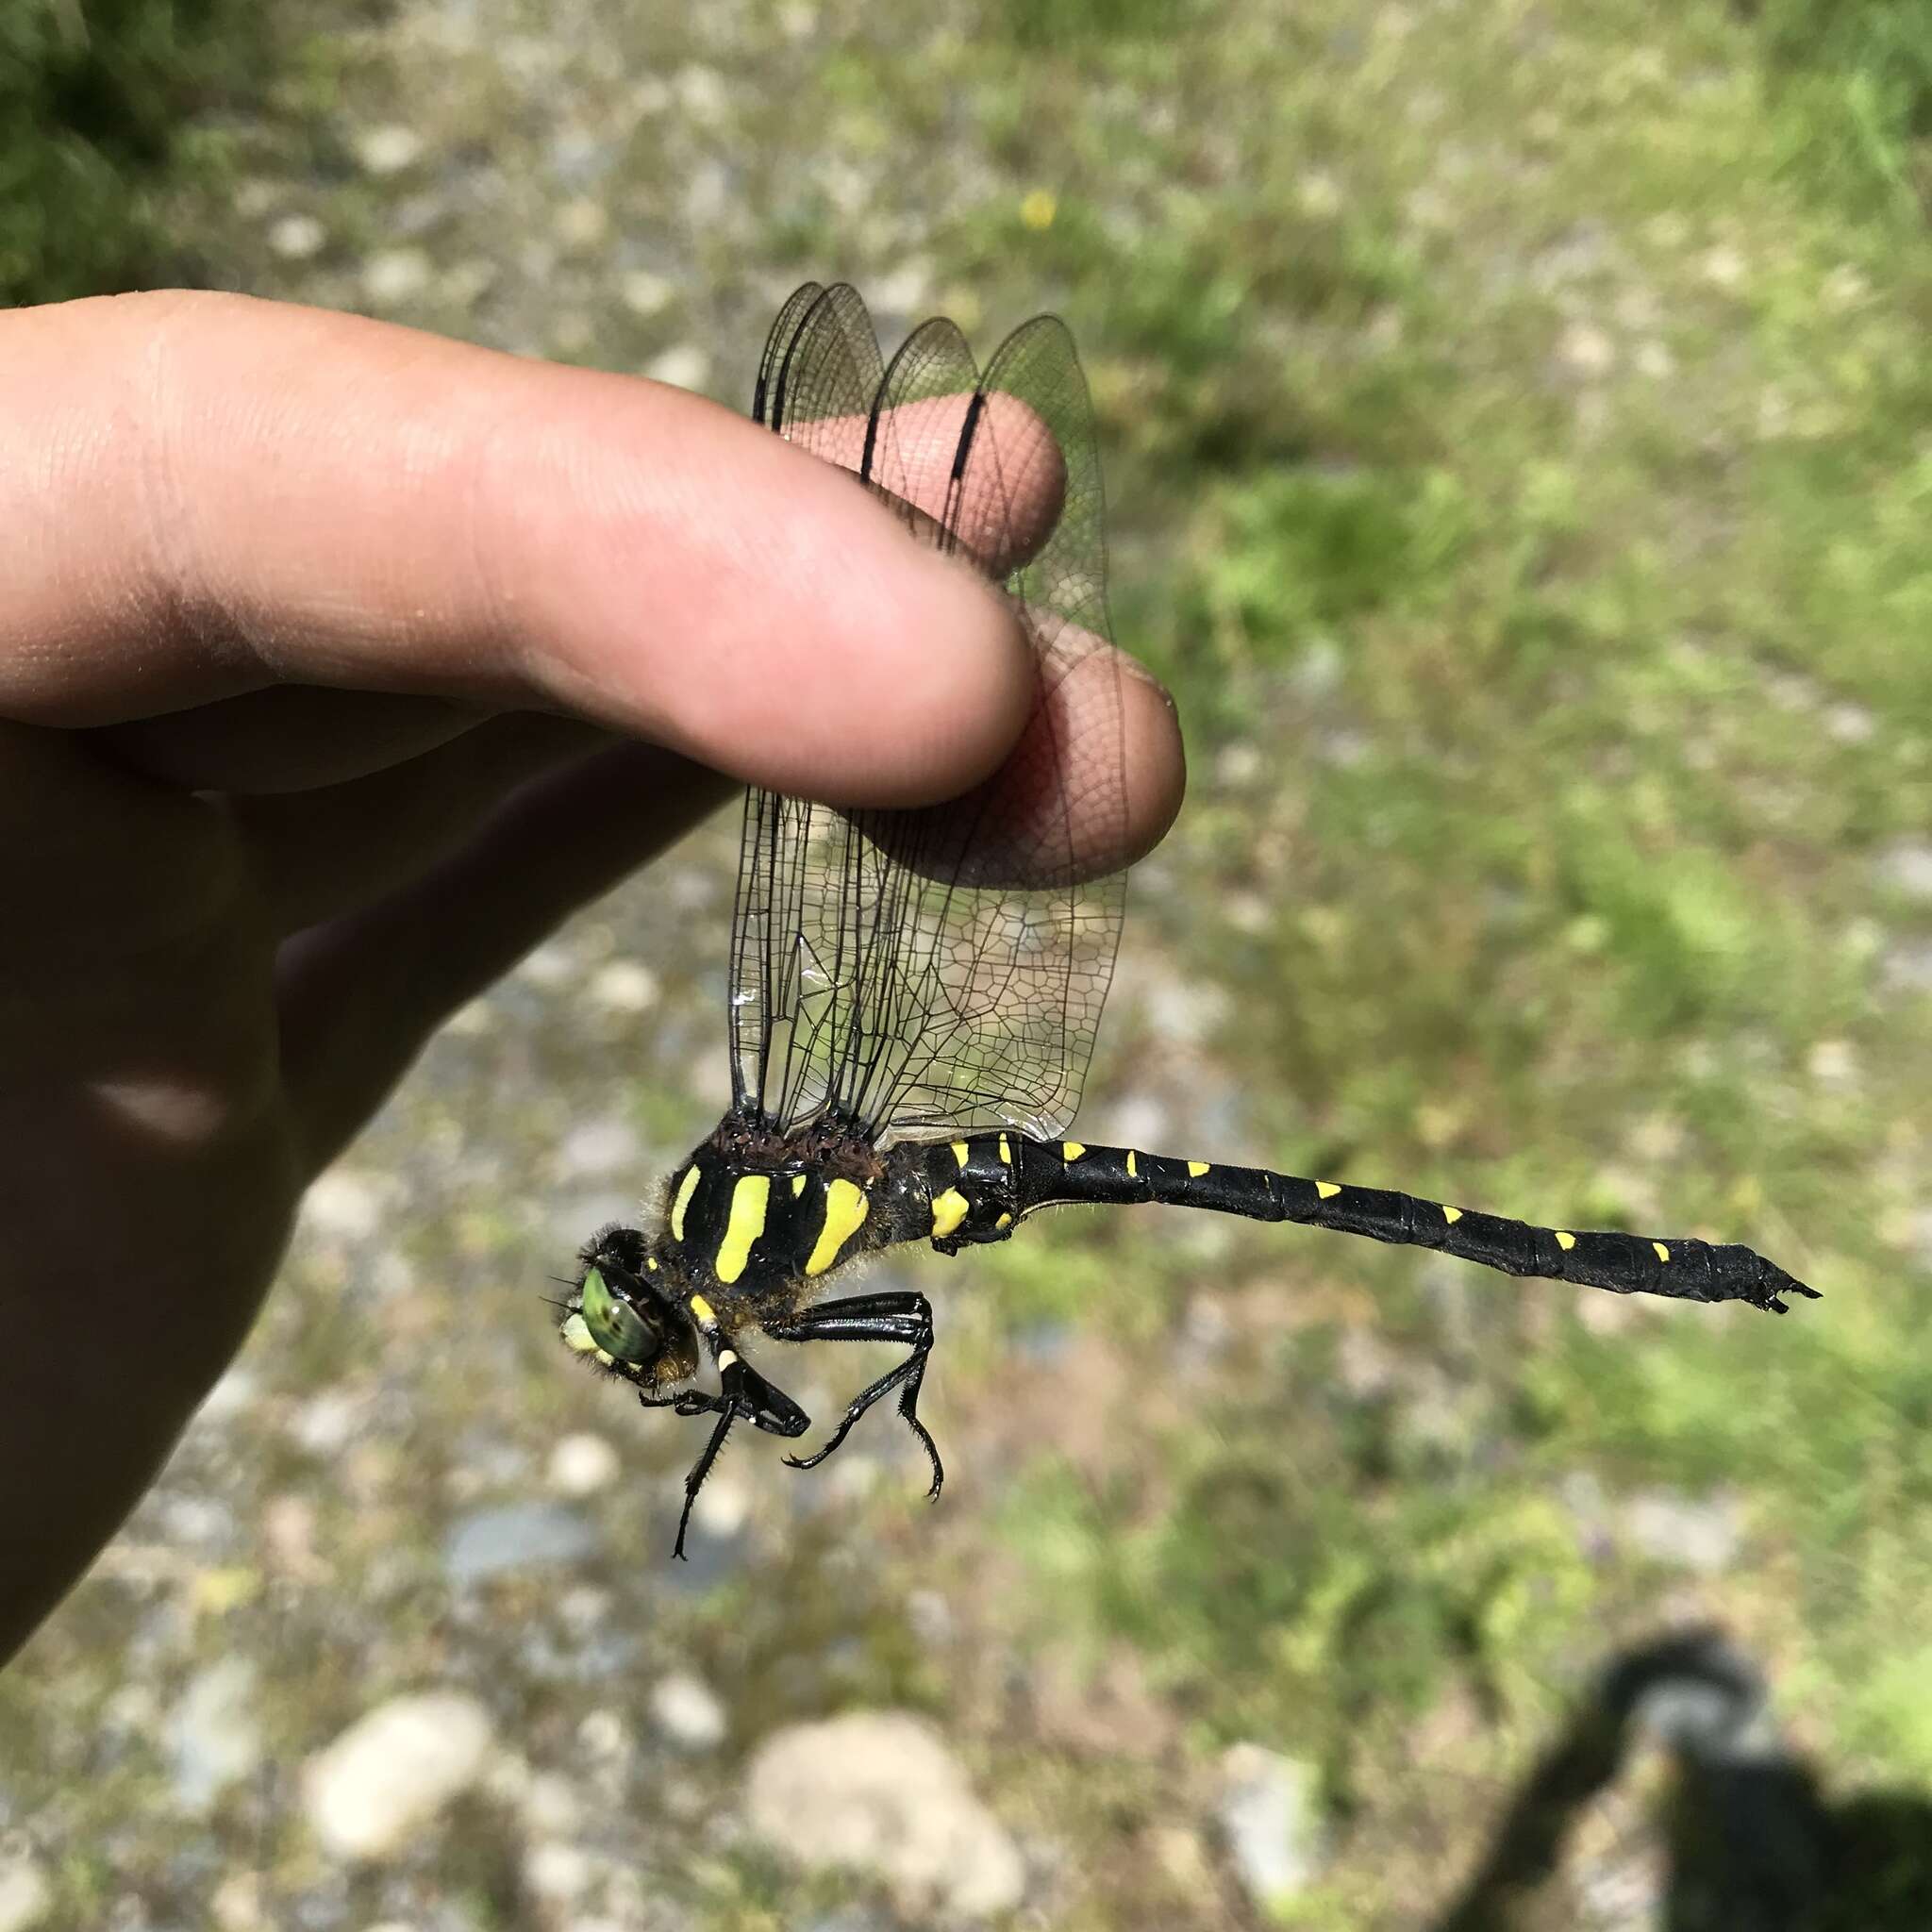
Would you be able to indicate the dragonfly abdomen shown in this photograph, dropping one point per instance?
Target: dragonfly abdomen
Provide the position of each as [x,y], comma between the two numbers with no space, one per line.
[983,1185]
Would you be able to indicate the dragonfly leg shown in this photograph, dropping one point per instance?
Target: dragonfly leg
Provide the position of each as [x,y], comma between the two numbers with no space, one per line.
[745,1393]
[905,1317]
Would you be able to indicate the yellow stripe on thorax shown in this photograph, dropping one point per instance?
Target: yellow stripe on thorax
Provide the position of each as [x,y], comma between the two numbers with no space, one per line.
[847,1207]
[686,1189]
[749,1200]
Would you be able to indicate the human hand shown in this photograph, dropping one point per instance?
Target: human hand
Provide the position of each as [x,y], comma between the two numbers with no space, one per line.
[339,664]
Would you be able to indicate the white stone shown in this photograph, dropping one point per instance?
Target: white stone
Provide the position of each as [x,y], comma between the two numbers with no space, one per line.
[548,966]
[395,274]
[1723,267]
[1588,351]
[687,1712]
[325,1423]
[1655,361]
[581,1465]
[557,1871]
[623,986]
[604,1735]
[1269,1815]
[704,94]
[1905,866]
[1851,724]
[343,1202]
[387,150]
[724,1504]
[1832,1063]
[582,223]
[213,1733]
[27,1894]
[1696,1533]
[645,293]
[598,1147]
[388,1774]
[878,1792]
[687,366]
[550,1806]
[296,237]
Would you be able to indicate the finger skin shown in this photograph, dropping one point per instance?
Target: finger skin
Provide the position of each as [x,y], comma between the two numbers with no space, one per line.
[206,494]
[321,853]
[361,995]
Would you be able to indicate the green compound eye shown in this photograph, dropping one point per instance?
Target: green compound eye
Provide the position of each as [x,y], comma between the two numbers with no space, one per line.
[614,1326]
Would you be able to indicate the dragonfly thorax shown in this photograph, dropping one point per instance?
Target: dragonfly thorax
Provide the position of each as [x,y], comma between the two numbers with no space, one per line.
[754,1212]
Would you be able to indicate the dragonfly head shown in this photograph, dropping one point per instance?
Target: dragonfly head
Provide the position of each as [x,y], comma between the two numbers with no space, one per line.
[625,1313]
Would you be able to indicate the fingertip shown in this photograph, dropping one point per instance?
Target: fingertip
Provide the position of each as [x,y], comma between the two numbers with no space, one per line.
[956,685]
[1156,760]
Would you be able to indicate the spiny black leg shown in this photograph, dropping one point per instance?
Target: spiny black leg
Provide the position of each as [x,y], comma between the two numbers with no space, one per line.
[746,1393]
[904,1317]
[700,1470]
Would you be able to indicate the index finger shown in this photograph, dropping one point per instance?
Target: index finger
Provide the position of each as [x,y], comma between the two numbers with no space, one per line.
[208,495]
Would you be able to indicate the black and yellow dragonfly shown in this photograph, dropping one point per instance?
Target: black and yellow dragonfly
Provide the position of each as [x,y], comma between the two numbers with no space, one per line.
[914,993]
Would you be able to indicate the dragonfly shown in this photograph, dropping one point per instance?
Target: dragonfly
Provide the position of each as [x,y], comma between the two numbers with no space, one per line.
[914,993]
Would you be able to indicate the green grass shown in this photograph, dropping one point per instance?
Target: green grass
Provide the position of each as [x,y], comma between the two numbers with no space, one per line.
[1578,618]
[98,100]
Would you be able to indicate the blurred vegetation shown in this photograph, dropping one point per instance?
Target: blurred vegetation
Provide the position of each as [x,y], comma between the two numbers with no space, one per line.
[102,104]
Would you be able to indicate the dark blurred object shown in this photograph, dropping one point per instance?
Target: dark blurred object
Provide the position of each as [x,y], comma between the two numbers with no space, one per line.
[1753,1844]
[94,98]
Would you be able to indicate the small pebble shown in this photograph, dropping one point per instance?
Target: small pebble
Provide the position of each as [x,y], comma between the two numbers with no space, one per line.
[394,275]
[557,1871]
[1588,351]
[27,1894]
[387,150]
[1905,866]
[342,1203]
[645,293]
[583,1464]
[625,987]
[369,1793]
[213,1734]
[515,1536]
[684,367]
[1696,1533]
[582,224]
[879,1792]
[1271,1818]
[685,1710]
[296,237]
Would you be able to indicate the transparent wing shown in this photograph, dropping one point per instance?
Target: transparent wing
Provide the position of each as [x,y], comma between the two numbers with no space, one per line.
[920,971]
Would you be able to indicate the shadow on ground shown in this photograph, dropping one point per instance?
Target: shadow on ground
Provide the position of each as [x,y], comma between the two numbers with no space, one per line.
[1754,1841]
